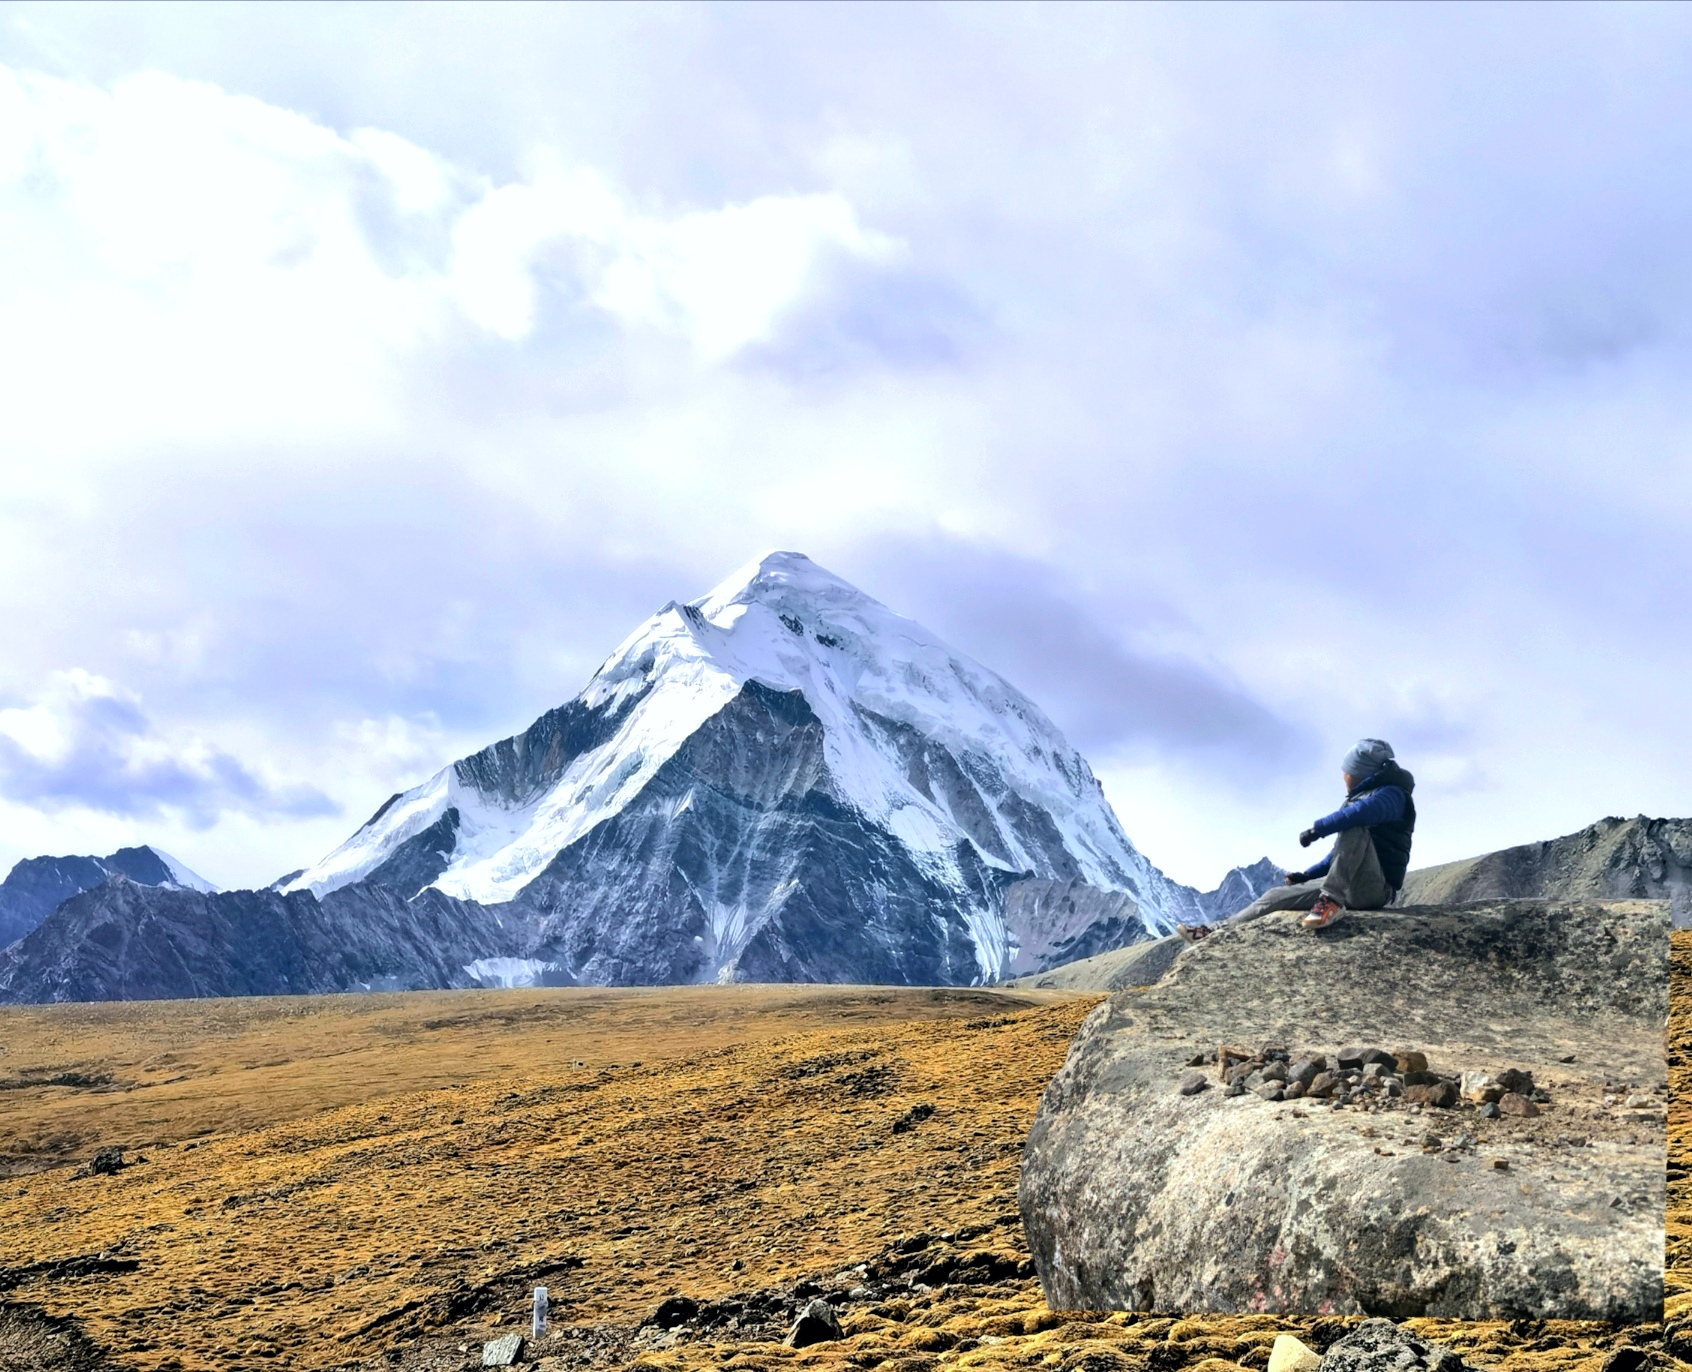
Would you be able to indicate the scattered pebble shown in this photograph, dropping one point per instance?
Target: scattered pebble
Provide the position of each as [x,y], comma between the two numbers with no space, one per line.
[1362,1076]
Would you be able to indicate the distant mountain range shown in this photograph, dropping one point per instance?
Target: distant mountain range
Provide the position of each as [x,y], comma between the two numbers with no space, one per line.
[780,781]
[1614,859]
[35,887]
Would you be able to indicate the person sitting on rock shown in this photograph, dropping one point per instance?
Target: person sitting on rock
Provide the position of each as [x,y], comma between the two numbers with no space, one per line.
[1366,867]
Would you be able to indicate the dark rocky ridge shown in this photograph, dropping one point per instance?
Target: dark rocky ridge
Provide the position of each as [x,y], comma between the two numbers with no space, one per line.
[35,887]
[125,941]
[1614,859]
[1136,1196]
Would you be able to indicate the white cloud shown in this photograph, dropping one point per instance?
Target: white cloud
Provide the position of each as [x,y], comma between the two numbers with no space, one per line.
[86,744]
[724,278]
[188,266]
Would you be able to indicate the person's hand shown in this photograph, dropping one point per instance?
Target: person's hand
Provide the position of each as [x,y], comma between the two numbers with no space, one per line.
[1295,878]
[1308,837]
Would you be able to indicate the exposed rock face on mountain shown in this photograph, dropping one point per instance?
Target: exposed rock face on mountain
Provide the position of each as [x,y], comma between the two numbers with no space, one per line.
[1054,923]
[123,940]
[1148,1182]
[36,886]
[1614,859]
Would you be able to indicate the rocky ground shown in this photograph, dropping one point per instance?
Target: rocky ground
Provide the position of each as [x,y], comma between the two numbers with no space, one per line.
[713,1164]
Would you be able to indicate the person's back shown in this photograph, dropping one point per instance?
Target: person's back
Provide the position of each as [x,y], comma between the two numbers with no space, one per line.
[1366,867]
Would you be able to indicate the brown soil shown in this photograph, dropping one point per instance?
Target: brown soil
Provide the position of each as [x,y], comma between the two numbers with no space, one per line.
[380,1181]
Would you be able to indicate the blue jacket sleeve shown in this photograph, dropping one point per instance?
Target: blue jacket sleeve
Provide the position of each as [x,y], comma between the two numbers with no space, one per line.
[1377,807]
[1321,868]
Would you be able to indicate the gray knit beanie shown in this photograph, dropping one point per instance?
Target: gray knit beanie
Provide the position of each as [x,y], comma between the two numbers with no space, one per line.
[1367,758]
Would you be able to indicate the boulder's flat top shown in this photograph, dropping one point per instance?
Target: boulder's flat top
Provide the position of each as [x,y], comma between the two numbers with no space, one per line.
[1533,981]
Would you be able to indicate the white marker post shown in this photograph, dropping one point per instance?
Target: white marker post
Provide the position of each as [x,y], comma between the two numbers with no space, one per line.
[540,1313]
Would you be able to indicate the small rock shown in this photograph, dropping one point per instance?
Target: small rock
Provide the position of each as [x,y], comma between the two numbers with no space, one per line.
[1639,1103]
[1378,1344]
[1513,1080]
[1519,1106]
[1378,1055]
[1270,1090]
[1193,1082]
[1489,1111]
[1306,1070]
[1275,1071]
[1294,1090]
[1569,1058]
[108,1162]
[1322,1085]
[1409,1060]
[1375,1070]
[816,1324]
[1289,1355]
[1234,1089]
[503,1351]
[1626,1360]
[1441,1094]
[1351,1057]
[912,1117]
[673,1311]
[1500,1164]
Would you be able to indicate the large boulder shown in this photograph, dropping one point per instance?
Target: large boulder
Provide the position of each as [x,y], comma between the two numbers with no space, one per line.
[1140,1192]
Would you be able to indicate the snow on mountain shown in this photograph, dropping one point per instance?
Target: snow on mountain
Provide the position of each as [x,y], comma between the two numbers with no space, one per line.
[950,770]
[180,874]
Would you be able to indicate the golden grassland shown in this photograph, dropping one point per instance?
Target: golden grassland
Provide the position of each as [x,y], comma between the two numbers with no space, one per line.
[379,1181]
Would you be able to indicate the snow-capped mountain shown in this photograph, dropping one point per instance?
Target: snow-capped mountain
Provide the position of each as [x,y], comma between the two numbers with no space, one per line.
[36,886]
[781,780]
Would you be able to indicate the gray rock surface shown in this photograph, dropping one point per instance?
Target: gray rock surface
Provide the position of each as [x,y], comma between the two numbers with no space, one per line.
[1382,1346]
[505,1351]
[816,1324]
[1614,859]
[1135,1196]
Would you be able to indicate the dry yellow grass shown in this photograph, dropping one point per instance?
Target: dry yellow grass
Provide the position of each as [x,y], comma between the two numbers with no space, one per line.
[380,1181]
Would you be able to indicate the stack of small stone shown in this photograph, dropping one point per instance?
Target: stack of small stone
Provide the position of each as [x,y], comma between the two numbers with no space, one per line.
[1367,1078]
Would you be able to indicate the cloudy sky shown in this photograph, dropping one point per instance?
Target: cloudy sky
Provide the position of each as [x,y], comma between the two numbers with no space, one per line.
[1236,380]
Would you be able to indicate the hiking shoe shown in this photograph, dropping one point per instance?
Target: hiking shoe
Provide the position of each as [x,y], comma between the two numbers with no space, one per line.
[1323,913]
[1192,933]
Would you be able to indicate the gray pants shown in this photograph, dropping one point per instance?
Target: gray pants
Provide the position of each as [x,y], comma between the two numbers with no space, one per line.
[1354,879]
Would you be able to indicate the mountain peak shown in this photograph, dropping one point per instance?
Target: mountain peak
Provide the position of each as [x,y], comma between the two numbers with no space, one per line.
[771,728]
[778,577]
